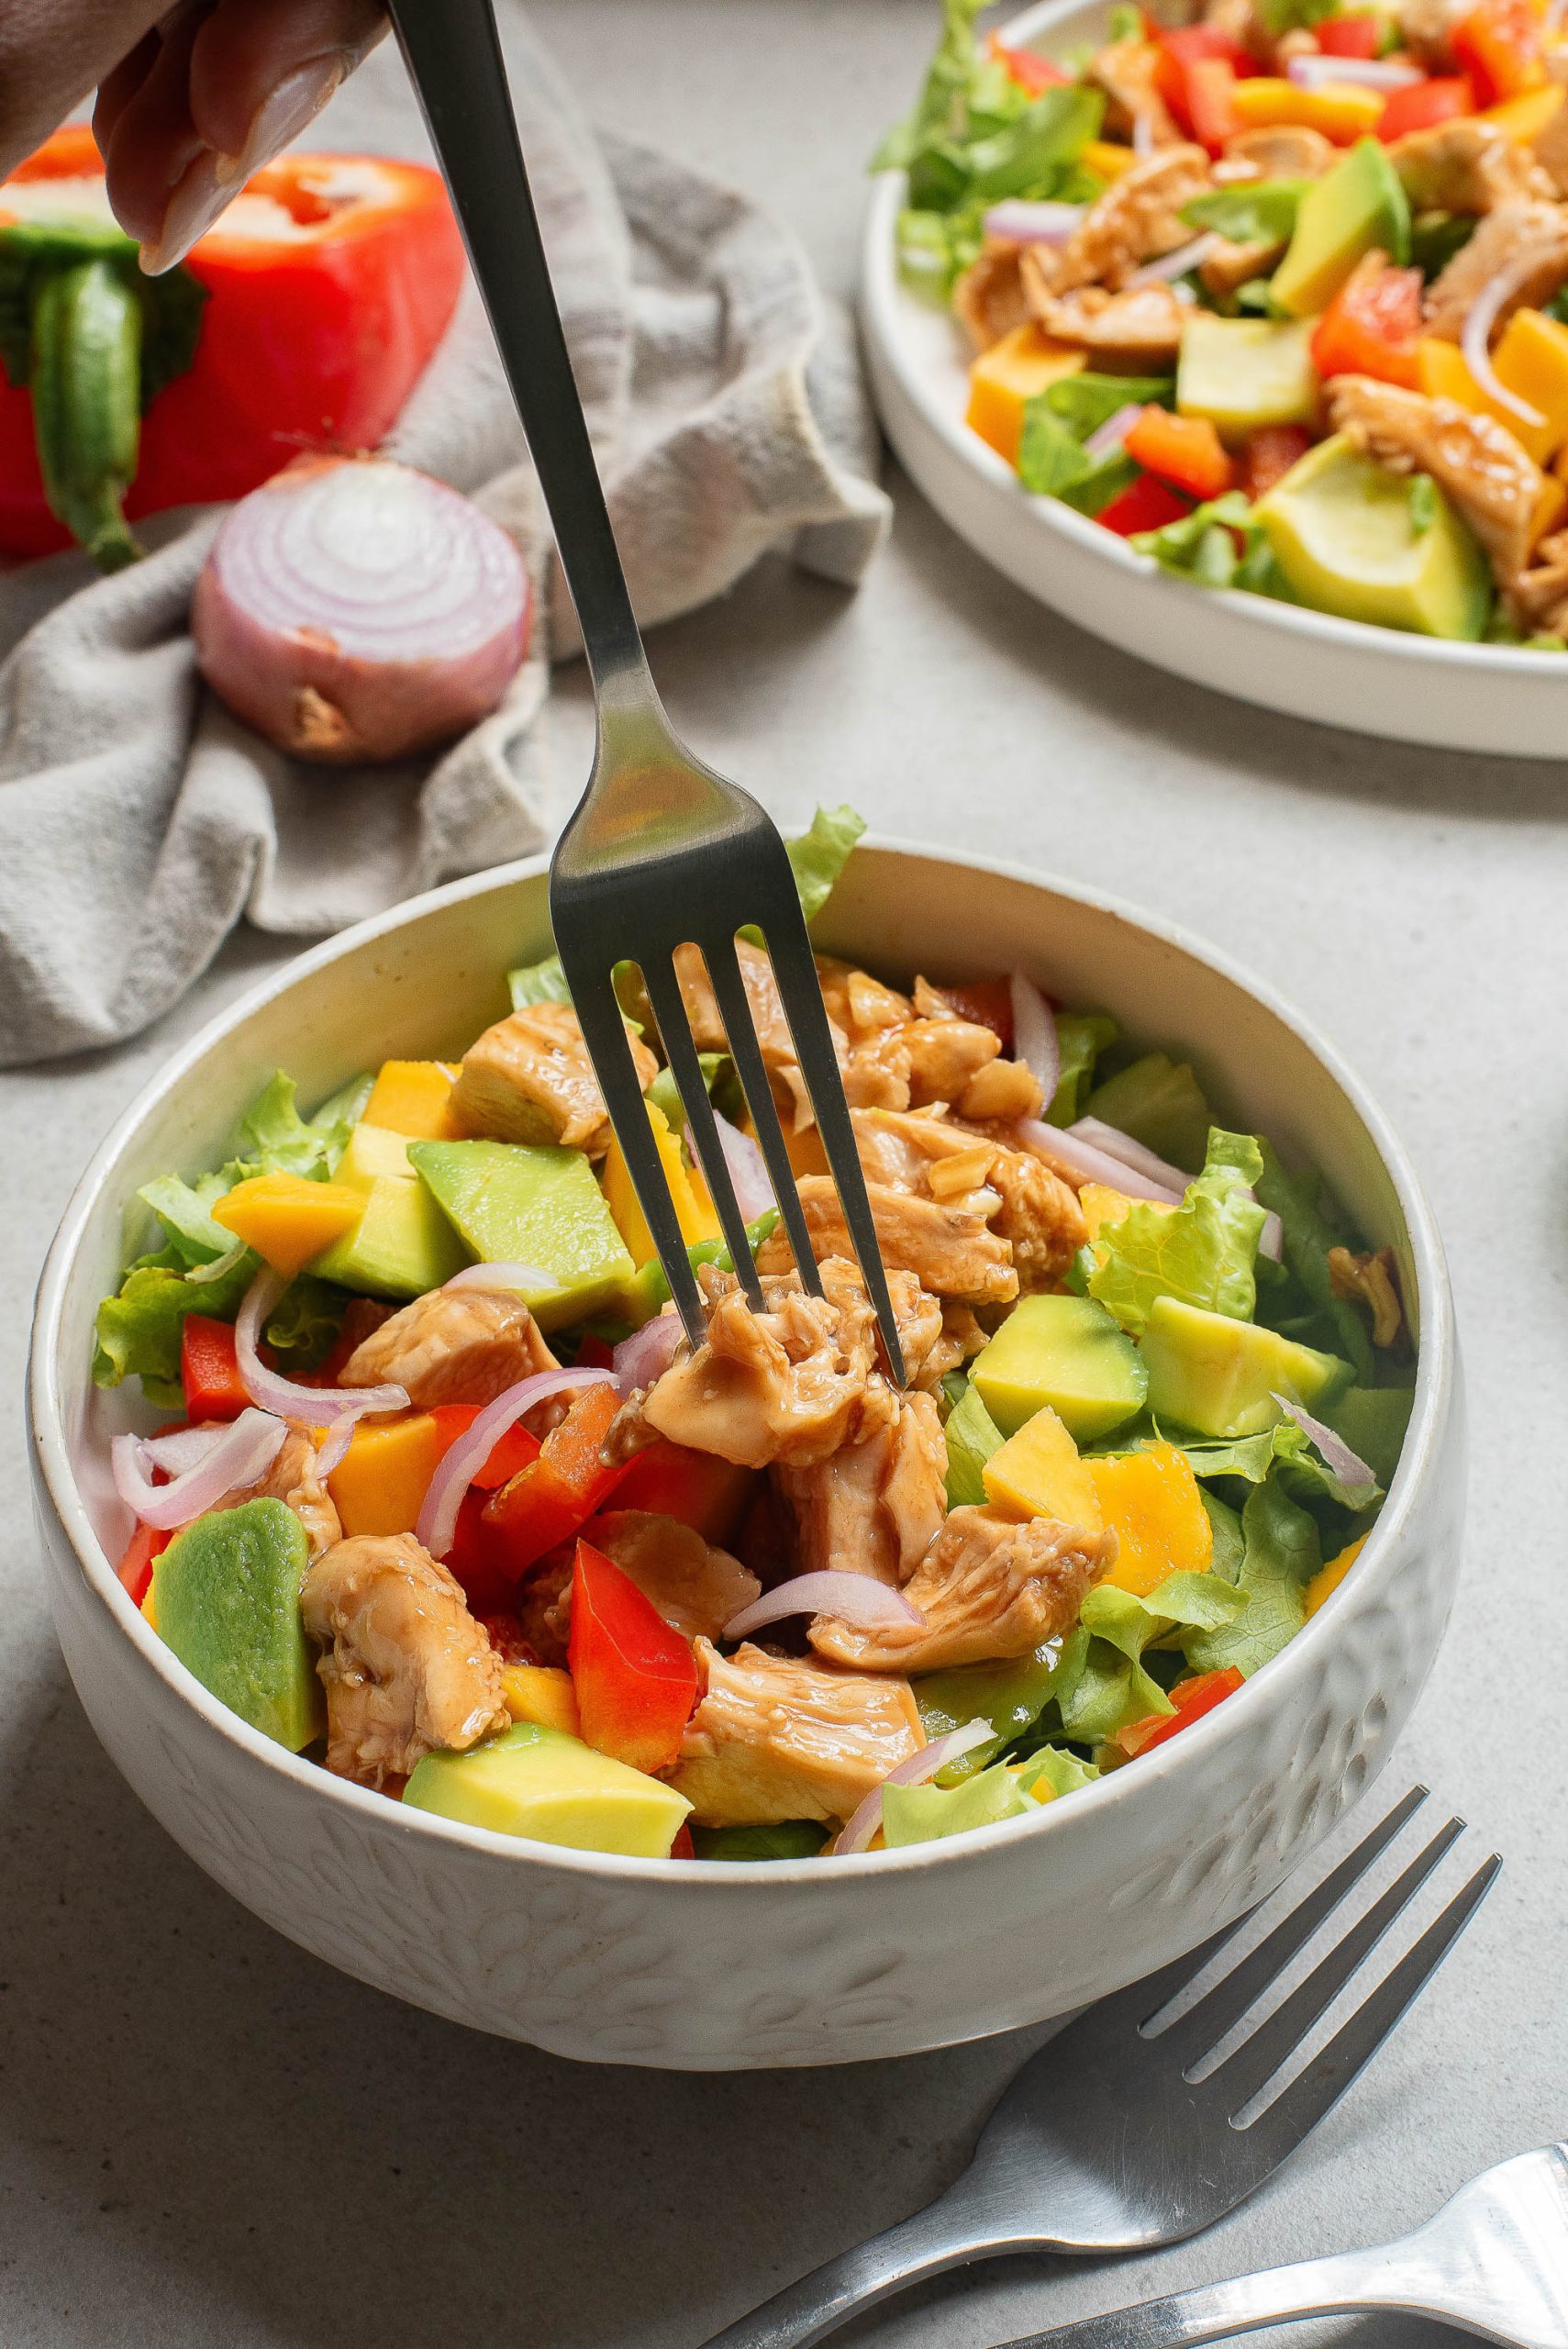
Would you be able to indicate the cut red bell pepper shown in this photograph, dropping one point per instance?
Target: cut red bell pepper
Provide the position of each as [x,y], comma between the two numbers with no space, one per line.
[135,1569]
[1270,453]
[1184,450]
[635,1677]
[1196,72]
[1144,505]
[1422,104]
[1372,324]
[986,1003]
[671,1480]
[476,1561]
[1192,1699]
[511,1451]
[1360,36]
[594,1353]
[1499,45]
[1035,74]
[209,1369]
[682,1848]
[327,288]
[547,1500]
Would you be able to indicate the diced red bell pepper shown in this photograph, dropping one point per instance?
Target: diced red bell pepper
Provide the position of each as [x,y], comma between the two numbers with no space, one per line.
[986,1003]
[209,1369]
[1270,453]
[1499,44]
[475,1559]
[1184,450]
[1196,72]
[594,1353]
[547,1500]
[682,1848]
[635,1677]
[510,1452]
[1360,36]
[1372,324]
[1192,1699]
[1144,505]
[671,1480]
[1422,104]
[1031,72]
[135,1569]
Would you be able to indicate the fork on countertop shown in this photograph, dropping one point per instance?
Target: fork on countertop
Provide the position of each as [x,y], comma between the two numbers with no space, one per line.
[1115,2137]
[661,851]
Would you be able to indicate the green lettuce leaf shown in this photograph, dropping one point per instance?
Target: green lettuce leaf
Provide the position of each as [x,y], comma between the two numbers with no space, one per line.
[1060,1769]
[791,1838]
[276,1139]
[1282,1551]
[818,856]
[1010,1694]
[972,1436]
[1256,212]
[953,83]
[1253,1459]
[182,1210]
[305,1322]
[1202,1252]
[1372,1422]
[920,1814]
[538,982]
[1159,1103]
[1083,402]
[1080,1037]
[1305,1306]
[138,1330]
[1101,1684]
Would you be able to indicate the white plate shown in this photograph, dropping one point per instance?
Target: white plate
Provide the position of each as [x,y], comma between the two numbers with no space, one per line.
[1416,688]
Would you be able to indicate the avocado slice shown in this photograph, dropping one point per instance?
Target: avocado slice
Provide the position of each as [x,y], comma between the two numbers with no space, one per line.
[1344,532]
[1244,373]
[226,1595]
[402,1245]
[1358,204]
[1066,1351]
[531,1203]
[540,1783]
[1219,1377]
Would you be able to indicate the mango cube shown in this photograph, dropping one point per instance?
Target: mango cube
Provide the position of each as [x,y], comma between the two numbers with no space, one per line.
[698,1220]
[538,1692]
[1004,378]
[379,1485]
[1330,1576]
[414,1098]
[1151,1502]
[287,1219]
[1037,1472]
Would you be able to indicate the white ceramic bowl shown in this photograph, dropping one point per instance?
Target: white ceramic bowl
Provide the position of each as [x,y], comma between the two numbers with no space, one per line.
[708,1965]
[1416,688]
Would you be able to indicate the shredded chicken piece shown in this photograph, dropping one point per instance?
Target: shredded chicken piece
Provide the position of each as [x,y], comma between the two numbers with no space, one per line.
[945,1055]
[1036,1212]
[877,1073]
[1465,165]
[1426,29]
[1474,459]
[960,1340]
[1283,152]
[1522,234]
[949,1249]
[695,1587]
[1372,1280]
[861,1005]
[899,1147]
[295,1479]
[452,1345]
[1539,600]
[1229,264]
[1137,332]
[529,1079]
[1040,1219]
[774,1041]
[1125,71]
[988,1586]
[544,1602]
[777,1738]
[405,1667]
[1137,218]
[1551,144]
[875,1507]
[988,298]
[1002,1088]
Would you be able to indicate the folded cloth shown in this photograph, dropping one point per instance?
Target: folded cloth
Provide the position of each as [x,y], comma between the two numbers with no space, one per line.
[140,821]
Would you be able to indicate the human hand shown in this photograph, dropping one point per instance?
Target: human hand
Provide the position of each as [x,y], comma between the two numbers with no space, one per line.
[192,99]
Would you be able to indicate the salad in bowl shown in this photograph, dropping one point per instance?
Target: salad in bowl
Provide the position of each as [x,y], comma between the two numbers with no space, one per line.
[1277,294]
[447,1503]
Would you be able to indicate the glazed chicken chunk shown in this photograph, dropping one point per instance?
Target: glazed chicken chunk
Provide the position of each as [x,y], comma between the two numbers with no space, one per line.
[1137,332]
[1030,1207]
[774,1039]
[987,1586]
[1137,218]
[405,1667]
[1474,459]
[295,1479]
[1523,236]
[773,1737]
[529,1079]
[696,1588]
[452,1345]
[875,1507]
[949,1247]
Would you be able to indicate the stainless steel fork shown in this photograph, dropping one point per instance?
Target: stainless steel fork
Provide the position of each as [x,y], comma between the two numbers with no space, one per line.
[1117,2137]
[661,851]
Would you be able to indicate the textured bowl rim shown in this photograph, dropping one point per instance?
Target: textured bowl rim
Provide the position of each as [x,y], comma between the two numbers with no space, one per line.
[1434,1377]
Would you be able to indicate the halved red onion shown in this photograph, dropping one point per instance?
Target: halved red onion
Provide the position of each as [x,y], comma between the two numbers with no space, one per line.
[177,1449]
[748,1170]
[1023,223]
[1133,1153]
[243,1455]
[1348,1465]
[315,1406]
[457,1466]
[352,609]
[913,1772]
[1161,271]
[518,1277]
[1035,1039]
[647,1354]
[857,1599]
[1271,1240]
[1079,1162]
[1317,71]
[1113,431]
[1475,336]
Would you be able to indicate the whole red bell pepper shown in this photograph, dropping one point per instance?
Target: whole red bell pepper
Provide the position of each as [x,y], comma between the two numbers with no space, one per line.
[547,1501]
[1372,324]
[1192,1699]
[209,1369]
[671,1480]
[301,321]
[1420,105]
[635,1677]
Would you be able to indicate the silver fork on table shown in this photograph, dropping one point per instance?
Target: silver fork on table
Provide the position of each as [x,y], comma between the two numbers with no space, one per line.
[1110,2140]
[661,851]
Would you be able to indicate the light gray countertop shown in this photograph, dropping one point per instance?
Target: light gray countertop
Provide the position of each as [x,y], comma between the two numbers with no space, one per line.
[207,2135]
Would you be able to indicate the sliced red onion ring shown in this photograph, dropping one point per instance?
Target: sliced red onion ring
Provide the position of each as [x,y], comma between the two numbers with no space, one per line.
[1271,1240]
[748,1170]
[243,1455]
[1168,265]
[457,1466]
[1315,72]
[647,1354]
[340,1435]
[1035,1039]
[315,1406]
[1143,134]
[1111,1138]
[1045,223]
[1079,1162]
[518,1277]
[1348,1465]
[177,1449]
[1476,335]
[857,1599]
[913,1772]
[1113,431]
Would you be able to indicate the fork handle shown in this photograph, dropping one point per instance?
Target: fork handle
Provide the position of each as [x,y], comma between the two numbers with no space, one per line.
[453,55]
[1351,2283]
